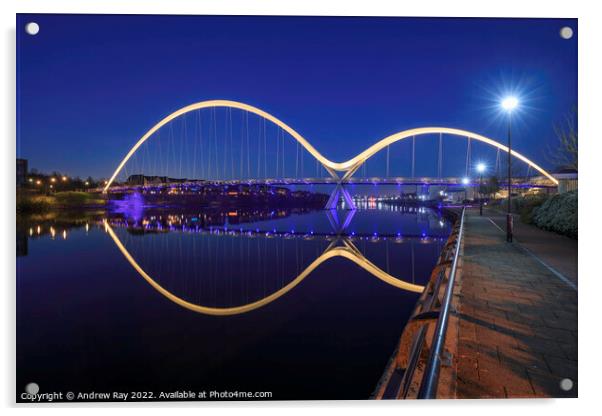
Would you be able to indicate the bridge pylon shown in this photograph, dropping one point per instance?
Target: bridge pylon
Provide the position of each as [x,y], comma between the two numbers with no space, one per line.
[335,196]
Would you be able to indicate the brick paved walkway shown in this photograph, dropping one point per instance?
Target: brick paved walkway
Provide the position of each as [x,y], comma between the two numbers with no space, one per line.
[556,250]
[517,322]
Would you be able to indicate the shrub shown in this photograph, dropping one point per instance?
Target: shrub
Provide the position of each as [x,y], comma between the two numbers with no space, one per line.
[525,206]
[559,214]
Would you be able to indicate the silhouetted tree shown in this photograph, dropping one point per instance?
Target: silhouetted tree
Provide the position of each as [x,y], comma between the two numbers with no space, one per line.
[565,152]
[490,186]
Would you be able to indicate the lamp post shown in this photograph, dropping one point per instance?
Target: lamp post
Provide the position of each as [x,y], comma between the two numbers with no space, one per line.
[509,104]
[480,169]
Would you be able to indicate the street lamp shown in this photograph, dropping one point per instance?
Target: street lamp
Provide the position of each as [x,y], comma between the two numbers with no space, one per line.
[481,168]
[509,104]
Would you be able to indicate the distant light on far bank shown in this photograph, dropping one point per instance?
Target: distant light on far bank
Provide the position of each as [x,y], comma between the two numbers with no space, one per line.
[566,32]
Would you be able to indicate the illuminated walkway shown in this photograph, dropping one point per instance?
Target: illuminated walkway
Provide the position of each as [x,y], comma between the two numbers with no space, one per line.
[556,250]
[516,322]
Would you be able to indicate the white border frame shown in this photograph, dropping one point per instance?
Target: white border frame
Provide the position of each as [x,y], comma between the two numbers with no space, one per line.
[590,68]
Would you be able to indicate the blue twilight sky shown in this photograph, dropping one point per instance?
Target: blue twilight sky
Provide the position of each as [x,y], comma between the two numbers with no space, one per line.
[90,85]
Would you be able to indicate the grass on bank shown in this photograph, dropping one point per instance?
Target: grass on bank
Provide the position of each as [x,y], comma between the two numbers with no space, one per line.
[35,203]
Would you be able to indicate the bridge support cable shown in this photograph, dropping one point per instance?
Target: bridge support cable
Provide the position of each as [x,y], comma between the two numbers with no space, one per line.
[278,153]
[387,174]
[231,133]
[282,153]
[242,142]
[297,161]
[187,141]
[259,151]
[225,146]
[194,143]
[413,157]
[248,147]
[265,151]
[440,158]
[497,164]
[468,149]
[528,173]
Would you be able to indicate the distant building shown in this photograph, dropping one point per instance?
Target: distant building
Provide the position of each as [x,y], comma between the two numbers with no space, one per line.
[155,180]
[567,180]
[21,171]
[146,180]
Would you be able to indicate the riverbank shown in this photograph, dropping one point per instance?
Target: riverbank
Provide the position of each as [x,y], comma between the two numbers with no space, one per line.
[34,203]
[515,328]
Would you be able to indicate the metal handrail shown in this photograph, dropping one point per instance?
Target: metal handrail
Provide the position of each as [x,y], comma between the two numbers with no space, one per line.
[430,380]
[428,311]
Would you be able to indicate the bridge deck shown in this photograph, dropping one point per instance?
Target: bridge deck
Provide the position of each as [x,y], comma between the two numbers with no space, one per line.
[516,320]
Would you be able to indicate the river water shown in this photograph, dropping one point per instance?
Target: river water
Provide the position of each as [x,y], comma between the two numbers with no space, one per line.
[300,304]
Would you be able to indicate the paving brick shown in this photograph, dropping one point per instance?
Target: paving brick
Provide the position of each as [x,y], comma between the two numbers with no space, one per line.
[517,333]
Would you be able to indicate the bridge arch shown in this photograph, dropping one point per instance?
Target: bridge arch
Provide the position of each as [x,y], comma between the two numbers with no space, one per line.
[329,165]
[348,251]
[351,165]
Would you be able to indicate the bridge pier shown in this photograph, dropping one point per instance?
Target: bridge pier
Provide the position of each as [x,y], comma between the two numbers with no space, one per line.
[336,194]
[337,225]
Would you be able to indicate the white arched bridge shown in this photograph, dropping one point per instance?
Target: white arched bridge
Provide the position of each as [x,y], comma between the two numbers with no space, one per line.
[339,173]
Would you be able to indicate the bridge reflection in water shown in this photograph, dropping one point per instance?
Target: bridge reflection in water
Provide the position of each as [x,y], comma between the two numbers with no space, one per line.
[307,304]
[347,250]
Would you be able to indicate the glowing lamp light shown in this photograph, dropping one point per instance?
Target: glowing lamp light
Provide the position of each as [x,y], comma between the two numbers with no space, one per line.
[481,167]
[465,181]
[509,103]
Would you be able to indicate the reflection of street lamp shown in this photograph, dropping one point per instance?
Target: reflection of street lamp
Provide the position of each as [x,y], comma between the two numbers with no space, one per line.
[480,169]
[509,104]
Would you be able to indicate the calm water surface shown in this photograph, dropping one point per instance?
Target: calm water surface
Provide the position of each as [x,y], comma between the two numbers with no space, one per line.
[162,300]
